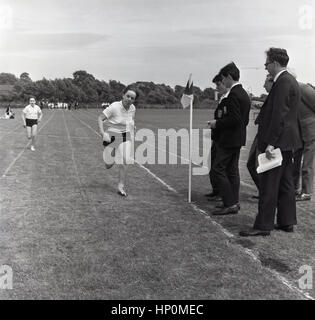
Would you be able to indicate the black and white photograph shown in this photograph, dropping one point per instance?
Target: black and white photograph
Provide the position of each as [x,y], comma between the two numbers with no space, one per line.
[157,151]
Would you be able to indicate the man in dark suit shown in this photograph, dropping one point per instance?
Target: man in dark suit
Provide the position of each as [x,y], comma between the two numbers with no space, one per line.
[253,153]
[278,128]
[307,152]
[233,117]
[223,91]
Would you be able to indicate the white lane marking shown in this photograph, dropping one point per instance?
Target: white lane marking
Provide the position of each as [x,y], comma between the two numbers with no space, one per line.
[27,145]
[72,151]
[247,251]
[156,177]
[251,254]
[11,131]
[60,137]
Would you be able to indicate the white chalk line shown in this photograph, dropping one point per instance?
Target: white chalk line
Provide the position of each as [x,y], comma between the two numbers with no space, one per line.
[75,167]
[23,150]
[60,137]
[247,251]
[11,131]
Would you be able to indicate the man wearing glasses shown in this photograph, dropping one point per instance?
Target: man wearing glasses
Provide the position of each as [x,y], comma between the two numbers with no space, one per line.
[278,128]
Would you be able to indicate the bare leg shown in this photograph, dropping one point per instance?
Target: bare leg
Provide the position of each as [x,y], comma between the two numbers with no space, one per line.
[29,133]
[124,152]
[122,175]
[34,134]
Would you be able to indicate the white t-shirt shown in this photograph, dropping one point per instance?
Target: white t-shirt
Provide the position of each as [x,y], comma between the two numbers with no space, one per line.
[32,112]
[120,120]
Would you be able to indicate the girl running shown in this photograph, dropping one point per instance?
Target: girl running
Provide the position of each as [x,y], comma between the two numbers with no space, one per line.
[118,138]
[31,115]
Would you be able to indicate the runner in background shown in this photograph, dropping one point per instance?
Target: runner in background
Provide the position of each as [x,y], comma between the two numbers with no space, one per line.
[31,115]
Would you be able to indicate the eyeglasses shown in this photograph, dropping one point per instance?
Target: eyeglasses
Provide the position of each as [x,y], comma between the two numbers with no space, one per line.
[267,63]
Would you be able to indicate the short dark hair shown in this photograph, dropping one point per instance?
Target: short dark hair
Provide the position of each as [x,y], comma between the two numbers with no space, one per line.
[217,78]
[279,55]
[131,88]
[232,70]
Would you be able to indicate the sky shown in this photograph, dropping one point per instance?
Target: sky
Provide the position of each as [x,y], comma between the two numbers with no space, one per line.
[155,40]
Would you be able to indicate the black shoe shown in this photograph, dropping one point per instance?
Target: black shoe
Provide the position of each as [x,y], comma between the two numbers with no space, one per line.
[215,198]
[221,206]
[211,195]
[289,228]
[254,233]
[226,210]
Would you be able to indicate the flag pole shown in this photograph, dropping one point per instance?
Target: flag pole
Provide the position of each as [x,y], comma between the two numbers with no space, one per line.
[190,149]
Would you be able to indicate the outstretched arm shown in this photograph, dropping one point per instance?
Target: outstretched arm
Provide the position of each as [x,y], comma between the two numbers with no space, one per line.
[23,119]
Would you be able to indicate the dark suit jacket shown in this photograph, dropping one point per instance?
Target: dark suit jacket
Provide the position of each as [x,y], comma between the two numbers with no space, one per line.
[233,118]
[215,133]
[278,120]
[307,112]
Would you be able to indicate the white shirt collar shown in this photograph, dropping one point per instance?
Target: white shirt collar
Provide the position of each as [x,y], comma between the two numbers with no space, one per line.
[278,75]
[224,96]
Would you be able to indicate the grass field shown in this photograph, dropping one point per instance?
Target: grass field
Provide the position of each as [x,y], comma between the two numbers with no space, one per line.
[68,235]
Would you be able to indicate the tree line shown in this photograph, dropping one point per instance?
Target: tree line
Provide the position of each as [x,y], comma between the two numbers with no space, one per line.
[84,88]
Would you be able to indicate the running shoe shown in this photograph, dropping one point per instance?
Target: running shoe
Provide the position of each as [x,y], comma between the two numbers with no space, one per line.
[121,191]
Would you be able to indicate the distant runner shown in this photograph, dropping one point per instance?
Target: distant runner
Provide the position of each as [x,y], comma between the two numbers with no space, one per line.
[31,115]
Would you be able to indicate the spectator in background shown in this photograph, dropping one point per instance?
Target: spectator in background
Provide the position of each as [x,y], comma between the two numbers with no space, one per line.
[8,113]
[304,157]
[223,91]
[231,125]
[252,162]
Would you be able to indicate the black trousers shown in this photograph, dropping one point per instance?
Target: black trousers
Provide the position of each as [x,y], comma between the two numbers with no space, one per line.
[213,151]
[252,162]
[225,172]
[303,170]
[276,192]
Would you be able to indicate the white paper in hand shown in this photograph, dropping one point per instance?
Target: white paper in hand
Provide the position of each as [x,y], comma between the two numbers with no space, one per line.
[265,164]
